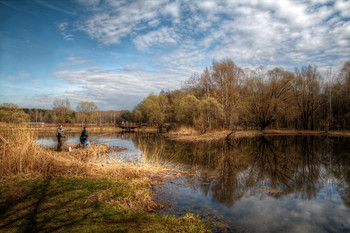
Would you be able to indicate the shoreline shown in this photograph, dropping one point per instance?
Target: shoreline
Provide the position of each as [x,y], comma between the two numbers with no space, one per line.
[220,135]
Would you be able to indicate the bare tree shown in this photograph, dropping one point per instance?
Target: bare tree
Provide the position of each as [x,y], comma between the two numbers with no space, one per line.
[88,112]
[307,88]
[268,95]
[62,109]
[226,78]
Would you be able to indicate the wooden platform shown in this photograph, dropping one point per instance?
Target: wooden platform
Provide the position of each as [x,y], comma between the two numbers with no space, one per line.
[129,126]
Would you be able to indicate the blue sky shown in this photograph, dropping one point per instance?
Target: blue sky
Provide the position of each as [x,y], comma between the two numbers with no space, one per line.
[115,52]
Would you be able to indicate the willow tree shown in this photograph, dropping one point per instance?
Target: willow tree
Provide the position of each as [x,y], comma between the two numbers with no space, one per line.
[222,81]
[88,112]
[268,95]
[11,113]
[209,116]
[62,110]
[153,108]
[137,115]
[340,98]
[188,109]
[345,79]
[226,79]
[307,87]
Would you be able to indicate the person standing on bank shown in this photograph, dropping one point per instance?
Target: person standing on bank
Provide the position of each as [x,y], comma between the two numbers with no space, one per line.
[59,135]
[84,137]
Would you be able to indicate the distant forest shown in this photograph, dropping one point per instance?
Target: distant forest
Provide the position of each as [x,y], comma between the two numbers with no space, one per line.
[97,117]
[225,96]
[88,112]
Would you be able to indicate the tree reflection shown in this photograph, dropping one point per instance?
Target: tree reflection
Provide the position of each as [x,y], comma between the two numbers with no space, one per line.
[273,166]
[335,156]
[229,183]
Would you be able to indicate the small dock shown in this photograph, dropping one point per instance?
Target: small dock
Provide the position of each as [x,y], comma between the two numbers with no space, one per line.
[129,127]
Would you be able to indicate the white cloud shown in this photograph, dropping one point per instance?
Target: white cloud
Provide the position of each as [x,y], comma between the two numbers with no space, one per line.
[63,27]
[21,75]
[122,19]
[89,3]
[343,7]
[72,61]
[61,8]
[163,36]
[262,31]
[172,9]
[207,5]
[116,89]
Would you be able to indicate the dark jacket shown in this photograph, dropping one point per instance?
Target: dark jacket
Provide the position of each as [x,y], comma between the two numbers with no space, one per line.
[59,133]
[83,136]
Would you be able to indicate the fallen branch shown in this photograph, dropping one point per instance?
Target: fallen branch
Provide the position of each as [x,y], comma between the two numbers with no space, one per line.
[228,137]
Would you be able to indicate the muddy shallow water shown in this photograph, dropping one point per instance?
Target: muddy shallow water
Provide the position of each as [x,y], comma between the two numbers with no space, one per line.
[263,184]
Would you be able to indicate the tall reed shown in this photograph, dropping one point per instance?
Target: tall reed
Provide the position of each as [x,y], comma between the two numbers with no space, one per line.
[20,155]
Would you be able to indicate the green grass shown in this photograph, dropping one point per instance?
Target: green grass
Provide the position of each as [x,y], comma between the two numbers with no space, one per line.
[81,204]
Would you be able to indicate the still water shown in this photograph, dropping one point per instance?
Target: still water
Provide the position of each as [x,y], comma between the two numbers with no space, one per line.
[263,184]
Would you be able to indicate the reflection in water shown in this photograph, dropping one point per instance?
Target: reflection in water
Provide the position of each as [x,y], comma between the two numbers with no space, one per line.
[277,165]
[264,167]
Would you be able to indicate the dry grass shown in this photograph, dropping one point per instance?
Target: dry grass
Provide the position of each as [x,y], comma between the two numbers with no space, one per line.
[184,130]
[21,156]
[188,134]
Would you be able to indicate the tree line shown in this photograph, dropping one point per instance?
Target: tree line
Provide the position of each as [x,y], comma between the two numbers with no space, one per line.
[87,112]
[225,96]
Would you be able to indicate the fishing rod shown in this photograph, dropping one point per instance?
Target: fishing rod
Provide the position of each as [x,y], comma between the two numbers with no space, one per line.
[104,134]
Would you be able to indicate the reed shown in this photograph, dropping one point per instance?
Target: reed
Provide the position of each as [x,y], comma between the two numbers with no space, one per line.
[153,159]
[20,156]
[184,130]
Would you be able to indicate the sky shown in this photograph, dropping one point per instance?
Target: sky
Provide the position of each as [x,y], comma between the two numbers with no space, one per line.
[116,52]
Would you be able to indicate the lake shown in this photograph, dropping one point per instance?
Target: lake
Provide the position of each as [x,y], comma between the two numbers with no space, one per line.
[262,184]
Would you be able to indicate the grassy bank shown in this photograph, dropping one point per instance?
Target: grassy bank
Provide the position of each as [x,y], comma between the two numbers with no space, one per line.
[43,190]
[190,134]
[82,204]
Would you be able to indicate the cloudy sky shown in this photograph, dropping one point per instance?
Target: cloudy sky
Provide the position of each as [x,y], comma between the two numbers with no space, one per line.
[116,52]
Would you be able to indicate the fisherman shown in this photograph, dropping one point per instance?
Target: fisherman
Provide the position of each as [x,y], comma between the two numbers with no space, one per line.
[59,135]
[84,137]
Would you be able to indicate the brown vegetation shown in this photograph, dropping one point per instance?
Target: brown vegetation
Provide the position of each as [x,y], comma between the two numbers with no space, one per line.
[190,134]
[21,156]
[224,96]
